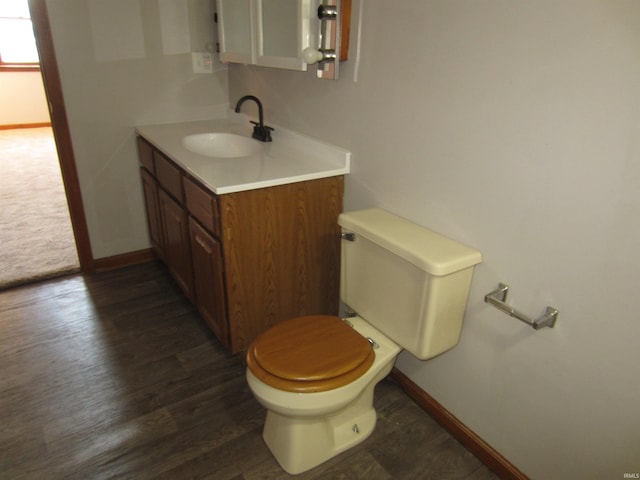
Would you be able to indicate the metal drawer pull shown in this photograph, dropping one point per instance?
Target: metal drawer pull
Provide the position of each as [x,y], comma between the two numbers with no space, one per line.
[498,297]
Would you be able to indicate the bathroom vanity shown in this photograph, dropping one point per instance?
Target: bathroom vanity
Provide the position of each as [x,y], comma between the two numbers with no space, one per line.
[251,239]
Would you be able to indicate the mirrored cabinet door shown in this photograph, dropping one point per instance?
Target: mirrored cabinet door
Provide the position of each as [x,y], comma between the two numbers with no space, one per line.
[283,32]
[236,26]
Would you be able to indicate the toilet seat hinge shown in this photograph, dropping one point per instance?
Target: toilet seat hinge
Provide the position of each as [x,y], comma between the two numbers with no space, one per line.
[373,343]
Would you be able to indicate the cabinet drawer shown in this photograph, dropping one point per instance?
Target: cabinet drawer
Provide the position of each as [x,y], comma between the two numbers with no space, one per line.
[168,175]
[203,205]
[145,153]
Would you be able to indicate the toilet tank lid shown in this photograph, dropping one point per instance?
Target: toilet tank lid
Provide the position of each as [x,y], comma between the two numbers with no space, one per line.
[428,250]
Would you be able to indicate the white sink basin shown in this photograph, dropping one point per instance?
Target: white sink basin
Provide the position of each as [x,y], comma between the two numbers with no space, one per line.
[217,144]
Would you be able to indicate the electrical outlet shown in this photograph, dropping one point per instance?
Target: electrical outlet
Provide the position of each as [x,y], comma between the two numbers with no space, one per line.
[202,62]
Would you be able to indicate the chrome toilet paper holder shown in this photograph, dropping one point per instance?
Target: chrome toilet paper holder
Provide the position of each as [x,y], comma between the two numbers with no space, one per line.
[498,299]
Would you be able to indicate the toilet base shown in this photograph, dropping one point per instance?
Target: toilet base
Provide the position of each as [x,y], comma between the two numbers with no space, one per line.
[301,443]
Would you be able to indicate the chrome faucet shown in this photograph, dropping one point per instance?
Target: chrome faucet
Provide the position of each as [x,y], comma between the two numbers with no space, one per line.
[260,130]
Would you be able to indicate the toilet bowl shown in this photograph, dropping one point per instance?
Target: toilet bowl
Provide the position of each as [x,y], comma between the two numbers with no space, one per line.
[303,430]
[316,375]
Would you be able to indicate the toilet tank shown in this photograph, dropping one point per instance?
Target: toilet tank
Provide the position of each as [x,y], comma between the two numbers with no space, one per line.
[410,283]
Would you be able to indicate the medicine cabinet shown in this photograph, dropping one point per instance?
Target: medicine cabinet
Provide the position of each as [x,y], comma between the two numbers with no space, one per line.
[269,33]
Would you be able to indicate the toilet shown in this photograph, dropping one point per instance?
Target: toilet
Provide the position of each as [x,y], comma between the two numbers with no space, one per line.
[407,288]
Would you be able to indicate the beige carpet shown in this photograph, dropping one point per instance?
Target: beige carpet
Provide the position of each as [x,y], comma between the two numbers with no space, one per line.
[36,239]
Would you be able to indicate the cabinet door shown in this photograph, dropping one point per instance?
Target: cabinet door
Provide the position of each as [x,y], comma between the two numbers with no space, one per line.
[283,32]
[209,280]
[177,246]
[235,31]
[269,33]
[150,188]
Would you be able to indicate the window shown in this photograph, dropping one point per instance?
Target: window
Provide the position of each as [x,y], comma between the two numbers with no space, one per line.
[17,43]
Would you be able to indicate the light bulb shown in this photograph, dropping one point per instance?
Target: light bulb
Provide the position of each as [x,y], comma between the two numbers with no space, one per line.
[311,55]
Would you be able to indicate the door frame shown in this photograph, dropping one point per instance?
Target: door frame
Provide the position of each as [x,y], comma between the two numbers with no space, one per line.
[61,132]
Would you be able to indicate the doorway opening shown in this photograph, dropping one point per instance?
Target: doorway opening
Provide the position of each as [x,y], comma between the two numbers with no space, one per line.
[25,152]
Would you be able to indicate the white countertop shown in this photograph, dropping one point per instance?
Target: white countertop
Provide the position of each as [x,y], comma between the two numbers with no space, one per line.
[289,158]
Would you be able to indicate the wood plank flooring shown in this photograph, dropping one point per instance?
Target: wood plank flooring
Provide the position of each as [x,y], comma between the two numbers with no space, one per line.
[114,375]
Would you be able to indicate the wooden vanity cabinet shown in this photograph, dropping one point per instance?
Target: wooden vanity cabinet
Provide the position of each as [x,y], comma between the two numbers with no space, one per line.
[248,259]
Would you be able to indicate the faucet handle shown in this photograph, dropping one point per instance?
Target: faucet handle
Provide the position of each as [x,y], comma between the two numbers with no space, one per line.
[257,124]
[261,132]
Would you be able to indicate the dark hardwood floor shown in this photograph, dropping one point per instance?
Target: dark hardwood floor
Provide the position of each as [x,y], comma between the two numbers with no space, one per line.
[114,375]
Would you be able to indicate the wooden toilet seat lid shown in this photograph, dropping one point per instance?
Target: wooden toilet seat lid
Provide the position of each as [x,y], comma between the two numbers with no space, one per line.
[310,354]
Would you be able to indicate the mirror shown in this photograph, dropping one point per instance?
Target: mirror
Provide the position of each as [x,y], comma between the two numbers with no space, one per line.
[282,33]
[278,27]
[235,33]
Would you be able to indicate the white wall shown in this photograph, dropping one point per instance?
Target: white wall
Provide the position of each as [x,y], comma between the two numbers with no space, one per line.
[124,63]
[513,127]
[22,99]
